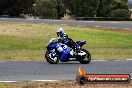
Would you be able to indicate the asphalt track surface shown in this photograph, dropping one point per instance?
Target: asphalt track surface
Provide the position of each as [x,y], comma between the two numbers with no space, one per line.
[28,71]
[71,22]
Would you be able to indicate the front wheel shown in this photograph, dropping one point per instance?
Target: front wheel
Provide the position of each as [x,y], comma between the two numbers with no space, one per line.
[84,59]
[51,60]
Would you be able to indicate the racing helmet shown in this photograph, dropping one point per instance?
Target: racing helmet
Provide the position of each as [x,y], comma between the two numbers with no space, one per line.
[60,32]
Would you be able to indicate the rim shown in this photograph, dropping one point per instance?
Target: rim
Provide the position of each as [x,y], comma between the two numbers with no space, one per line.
[86,58]
[53,59]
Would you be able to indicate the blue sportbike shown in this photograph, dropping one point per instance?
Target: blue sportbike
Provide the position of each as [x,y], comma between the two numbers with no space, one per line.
[61,52]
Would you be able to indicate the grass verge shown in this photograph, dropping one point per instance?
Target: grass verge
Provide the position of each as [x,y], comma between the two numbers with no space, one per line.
[64,84]
[26,41]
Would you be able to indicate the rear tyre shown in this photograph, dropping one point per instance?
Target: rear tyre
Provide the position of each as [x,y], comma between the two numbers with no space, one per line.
[50,60]
[85,59]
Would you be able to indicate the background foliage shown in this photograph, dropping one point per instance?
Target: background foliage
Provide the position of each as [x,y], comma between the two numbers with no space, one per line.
[58,8]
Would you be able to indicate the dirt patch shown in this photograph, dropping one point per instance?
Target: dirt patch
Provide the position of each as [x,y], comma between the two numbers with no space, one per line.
[117,30]
[122,30]
[64,84]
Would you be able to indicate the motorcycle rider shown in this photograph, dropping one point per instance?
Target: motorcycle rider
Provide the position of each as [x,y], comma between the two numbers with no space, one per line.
[63,38]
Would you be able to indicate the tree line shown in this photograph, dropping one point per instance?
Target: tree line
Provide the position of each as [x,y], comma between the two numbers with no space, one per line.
[58,8]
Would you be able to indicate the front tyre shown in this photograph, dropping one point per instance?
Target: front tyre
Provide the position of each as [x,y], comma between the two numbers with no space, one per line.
[85,59]
[50,60]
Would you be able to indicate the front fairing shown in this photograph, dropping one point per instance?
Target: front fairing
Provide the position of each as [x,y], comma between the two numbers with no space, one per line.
[52,43]
[51,46]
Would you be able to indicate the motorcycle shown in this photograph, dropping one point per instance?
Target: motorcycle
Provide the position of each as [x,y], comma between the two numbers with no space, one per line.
[60,52]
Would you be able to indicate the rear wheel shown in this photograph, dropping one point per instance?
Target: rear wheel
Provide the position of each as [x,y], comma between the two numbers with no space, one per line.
[50,60]
[85,59]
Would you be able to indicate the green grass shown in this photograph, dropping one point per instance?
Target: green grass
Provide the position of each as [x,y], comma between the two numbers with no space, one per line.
[25,41]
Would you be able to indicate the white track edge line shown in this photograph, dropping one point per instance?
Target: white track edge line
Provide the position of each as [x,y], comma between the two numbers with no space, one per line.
[31,81]
[46,80]
[99,60]
[8,81]
[128,59]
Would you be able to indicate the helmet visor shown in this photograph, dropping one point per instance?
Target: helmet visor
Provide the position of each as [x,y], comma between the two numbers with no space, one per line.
[58,34]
